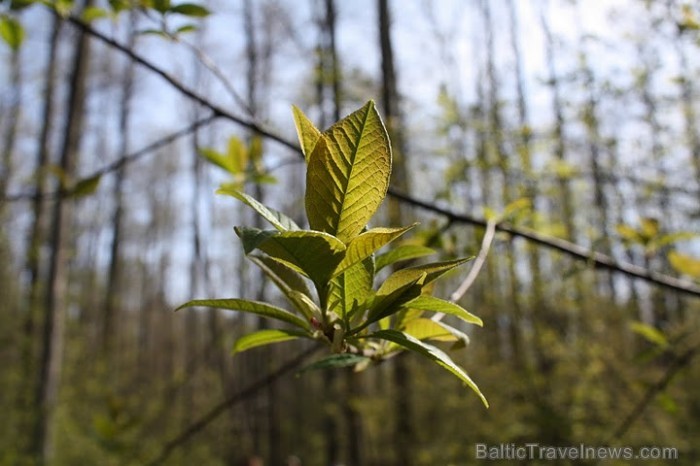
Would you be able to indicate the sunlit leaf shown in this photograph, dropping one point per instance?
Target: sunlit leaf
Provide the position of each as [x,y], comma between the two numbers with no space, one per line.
[350,290]
[11,32]
[313,253]
[276,219]
[266,337]
[428,329]
[649,333]
[431,303]
[290,282]
[306,131]
[430,352]
[409,274]
[402,253]
[348,174]
[364,245]
[91,13]
[252,307]
[684,264]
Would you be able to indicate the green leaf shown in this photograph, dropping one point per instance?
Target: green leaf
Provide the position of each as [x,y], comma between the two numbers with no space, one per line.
[290,283]
[275,218]
[266,337]
[401,253]
[432,271]
[649,333]
[11,32]
[350,290]
[684,264]
[388,301]
[186,28]
[431,303]
[306,131]
[348,174]
[364,245]
[313,253]
[190,9]
[336,361]
[252,307]
[18,5]
[428,329]
[92,13]
[430,352]
[85,187]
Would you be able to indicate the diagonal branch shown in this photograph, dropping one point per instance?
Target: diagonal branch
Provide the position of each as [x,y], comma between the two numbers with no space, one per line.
[234,399]
[595,259]
[121,162]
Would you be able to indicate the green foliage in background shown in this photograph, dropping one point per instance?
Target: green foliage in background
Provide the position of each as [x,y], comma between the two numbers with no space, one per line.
[348,172]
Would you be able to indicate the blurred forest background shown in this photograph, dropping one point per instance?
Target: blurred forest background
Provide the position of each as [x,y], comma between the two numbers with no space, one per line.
[585,114]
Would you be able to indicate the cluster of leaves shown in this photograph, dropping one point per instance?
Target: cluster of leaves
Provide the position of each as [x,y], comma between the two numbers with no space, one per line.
[650,236]
[12,32]
[348,170]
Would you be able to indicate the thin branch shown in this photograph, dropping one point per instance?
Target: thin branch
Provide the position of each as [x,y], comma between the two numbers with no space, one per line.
[234,399]
[597,260]
[478,263]
[184,90]
[121,162]
[676,365]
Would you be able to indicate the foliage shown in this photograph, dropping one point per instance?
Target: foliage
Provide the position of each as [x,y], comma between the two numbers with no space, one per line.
[349,166]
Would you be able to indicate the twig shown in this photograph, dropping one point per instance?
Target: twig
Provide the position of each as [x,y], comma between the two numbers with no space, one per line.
[676,365]
[234,399]
[478,262]
[121,162]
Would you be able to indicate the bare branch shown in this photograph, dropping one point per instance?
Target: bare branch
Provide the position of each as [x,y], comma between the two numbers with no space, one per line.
[234,399]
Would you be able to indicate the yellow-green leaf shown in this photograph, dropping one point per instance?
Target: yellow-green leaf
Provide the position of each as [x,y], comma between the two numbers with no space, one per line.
[649,333]
[277,219]
[11,32]
[351,289]
[306,131]
[313,253]
[364,245]
[430,352]
[428,329]
[266,337]
[431,303]
[290,282]
[401,253]
[252,307]
[685,264]
[348,174]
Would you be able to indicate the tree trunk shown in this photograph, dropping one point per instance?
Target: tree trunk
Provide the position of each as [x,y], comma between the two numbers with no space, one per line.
[57,282]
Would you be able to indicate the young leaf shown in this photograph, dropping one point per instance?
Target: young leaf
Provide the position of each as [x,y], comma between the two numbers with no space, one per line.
[402,253]
[388,301]
[306,131]
[336,361]
[11,32]
[190,9]
[431,303]
[253,307]
[430,352]
[313,253]
[275,218]
[428,329]
[290,283]
[348,174]
[266,337]
[351,289]
[366,244]
[432,271]
[685,264]
[85,187]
